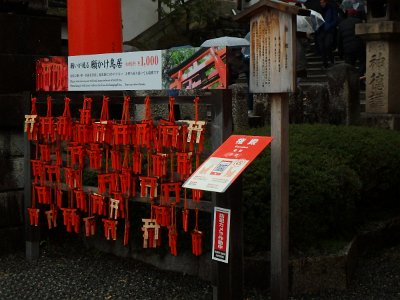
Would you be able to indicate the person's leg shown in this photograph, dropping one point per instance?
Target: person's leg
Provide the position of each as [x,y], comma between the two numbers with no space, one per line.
[322,48]
[329,46]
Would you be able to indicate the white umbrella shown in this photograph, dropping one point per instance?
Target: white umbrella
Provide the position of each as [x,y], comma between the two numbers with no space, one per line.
[246,49]
[224,41]
[304,24]
[311,23]
[316,19]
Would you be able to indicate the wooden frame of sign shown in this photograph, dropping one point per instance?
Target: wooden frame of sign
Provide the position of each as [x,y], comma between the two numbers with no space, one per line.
[272,71]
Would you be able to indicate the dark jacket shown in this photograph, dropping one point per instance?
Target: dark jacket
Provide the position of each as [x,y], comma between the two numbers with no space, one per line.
[330,15]
[348,42]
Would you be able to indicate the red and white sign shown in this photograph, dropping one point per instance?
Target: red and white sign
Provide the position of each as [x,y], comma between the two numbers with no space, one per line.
[220,249]
[221,169]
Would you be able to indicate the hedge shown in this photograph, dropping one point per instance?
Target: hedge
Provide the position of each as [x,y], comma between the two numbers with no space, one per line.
[340,178]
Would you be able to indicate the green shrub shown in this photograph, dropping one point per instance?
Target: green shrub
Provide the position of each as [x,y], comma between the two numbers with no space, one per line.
[340,178]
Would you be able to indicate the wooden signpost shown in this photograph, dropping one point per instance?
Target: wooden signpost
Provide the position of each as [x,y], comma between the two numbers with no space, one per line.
[272,71]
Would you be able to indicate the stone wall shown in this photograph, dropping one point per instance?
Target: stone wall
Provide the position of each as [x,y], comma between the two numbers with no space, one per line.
[11,190]
[23,39]
[335,101]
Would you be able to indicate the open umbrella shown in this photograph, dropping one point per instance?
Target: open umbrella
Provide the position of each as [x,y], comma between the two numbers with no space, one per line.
[316,19]
[311,23]
[358,5]
[304,24]
[246,49]
[226,41]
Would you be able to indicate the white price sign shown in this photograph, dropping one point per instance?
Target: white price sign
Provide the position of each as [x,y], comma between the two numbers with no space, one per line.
[115,71]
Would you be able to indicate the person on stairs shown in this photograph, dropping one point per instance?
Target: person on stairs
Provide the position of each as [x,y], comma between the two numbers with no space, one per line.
[326,34]
[350,46]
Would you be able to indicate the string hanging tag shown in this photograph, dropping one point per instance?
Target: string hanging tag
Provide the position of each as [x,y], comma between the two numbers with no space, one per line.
[33,212]
[94,153]
[159,164]
[90,226]
[107,182]
[110,229]
[169,131]
[47,124]
[102,130]
[137,161]
[145,127]
[97,204]
[195,130]
[90,221]
[184,164]
[150,230]
[116,160]
[71,219]
[33,216]
[172,233]
[171,187]
[44,150]
[38,171]
[197,238]
[80,197]
[51,216]
[114,203]
[64,123]
[43,194]
[148,186]
[123,131]
[31,124]
[53,173]
[77,155]
[73,178]
[84,129]
[185,214]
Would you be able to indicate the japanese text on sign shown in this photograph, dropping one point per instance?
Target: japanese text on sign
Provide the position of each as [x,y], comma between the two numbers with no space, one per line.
[220,170]
[115,71]
[221,228]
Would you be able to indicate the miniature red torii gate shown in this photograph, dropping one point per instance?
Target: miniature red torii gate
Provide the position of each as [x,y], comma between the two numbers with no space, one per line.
[224,279]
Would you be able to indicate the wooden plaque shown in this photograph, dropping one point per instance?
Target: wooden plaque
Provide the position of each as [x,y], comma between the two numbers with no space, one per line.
[272,52]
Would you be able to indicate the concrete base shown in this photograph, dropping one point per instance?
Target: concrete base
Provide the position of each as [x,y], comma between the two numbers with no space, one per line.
[387,121]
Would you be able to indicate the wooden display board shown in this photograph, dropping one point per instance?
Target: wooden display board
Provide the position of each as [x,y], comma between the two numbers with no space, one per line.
[272,36]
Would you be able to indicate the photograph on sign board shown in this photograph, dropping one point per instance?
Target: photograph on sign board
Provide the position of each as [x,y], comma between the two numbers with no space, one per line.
[195,68]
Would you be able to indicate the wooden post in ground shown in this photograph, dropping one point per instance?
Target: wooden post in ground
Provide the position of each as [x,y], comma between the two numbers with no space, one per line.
[227,278]
[279,195]
[272,71]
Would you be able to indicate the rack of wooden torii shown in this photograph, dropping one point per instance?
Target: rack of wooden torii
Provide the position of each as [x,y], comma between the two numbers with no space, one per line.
[143,161]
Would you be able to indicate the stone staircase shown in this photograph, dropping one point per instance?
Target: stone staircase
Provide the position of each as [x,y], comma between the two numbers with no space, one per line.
[317,80]
[316,73]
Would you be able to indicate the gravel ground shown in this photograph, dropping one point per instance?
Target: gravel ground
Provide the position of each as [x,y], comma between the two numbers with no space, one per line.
[66,272]
[70,273]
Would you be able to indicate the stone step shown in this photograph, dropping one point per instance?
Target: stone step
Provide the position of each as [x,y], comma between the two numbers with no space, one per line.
[316,77]
[316,71]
